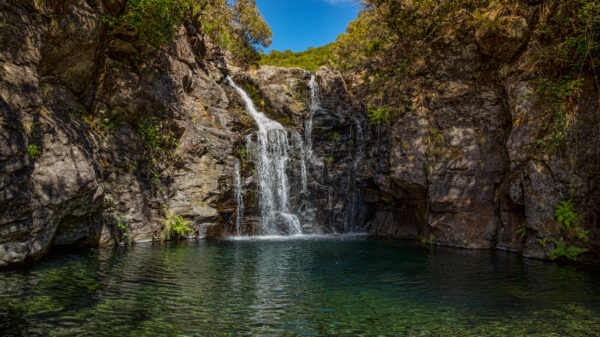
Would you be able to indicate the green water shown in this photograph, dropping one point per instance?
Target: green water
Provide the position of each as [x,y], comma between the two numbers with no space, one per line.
[326,287]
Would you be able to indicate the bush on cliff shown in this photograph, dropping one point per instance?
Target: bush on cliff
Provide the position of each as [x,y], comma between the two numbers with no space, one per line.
[236,25]
[155,21]
[567,52]
[174,227]
[310,59]
[389,35]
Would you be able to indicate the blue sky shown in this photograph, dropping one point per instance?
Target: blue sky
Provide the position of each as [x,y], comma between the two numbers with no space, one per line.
[299,24]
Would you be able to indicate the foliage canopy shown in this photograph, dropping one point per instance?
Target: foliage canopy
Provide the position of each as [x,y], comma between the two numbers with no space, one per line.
[236,25]
[310,59]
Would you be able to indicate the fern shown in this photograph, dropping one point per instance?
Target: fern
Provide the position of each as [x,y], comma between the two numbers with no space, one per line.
[377,116]
[522,232]
[561,250]
[174,226]
[584,236]
[565,214]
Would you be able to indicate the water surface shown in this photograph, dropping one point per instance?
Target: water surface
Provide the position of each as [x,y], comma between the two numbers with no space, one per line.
[325,286]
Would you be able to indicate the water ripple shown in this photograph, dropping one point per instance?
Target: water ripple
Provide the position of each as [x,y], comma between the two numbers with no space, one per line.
[303,285]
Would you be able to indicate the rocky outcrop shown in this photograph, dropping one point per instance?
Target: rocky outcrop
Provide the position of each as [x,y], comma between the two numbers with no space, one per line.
[75,164]
[461,164]
[445,153]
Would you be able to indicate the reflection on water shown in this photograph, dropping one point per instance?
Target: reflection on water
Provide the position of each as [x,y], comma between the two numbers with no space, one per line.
[327,286]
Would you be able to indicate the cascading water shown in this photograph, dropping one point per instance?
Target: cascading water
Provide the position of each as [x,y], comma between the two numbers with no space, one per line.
[270,152]
[308,158]
[239,199]
[299,144]
[275,151]
[315,104]
[352,203]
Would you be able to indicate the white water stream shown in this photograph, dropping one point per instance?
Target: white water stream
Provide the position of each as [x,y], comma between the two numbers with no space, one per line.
[315,104]
[270,153]
[239,197]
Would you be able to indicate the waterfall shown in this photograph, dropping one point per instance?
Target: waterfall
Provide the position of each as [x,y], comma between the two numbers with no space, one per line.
[297,140]
[351,209]
[270,153]
[239,199]
[315,104]
[330,209]
[360,143]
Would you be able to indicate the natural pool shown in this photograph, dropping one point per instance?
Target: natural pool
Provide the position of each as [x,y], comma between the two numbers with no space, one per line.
[326,286]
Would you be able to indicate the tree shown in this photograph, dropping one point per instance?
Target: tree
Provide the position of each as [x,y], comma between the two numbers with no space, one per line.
[237,25]
[378,116]
[156,21]
[250,30]
[364,37]
[310,59]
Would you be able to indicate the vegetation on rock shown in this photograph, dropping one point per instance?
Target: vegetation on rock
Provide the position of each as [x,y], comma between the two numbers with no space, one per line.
[236,25]
[33,151]
[565,214]
[562,250]
[568,218]
[568,52]
[174,227]
[310,59]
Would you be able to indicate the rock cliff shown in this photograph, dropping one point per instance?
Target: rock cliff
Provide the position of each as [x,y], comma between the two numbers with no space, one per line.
[99,134]
[460,164]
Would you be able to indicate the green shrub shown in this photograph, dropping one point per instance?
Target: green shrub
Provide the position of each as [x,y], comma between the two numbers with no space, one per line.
[123,226]
[174,226]
[159,140]
[156,21]
[565,214]
[562,250]
[522,232]
[584,236]
[378,116]
[236,25]
[33,151]
[310,59]
[365,38]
